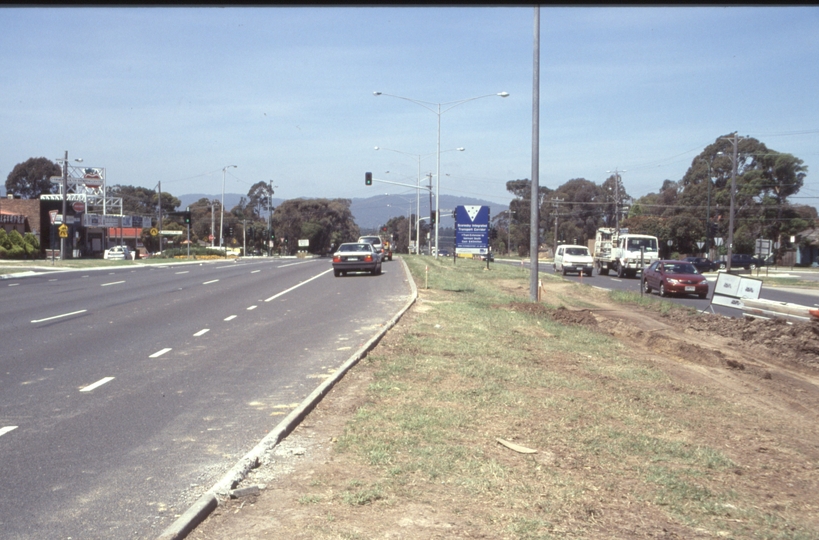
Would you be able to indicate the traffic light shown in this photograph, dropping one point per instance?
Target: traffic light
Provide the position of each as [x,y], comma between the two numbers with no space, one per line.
[250,232]
[187,217]
[432,217]
[368,178]
[230,232]
[384,229]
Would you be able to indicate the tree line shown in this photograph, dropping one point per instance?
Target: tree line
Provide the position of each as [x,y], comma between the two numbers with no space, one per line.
[686,211]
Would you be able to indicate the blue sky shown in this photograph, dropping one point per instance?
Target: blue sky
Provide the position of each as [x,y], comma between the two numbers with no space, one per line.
[286,94]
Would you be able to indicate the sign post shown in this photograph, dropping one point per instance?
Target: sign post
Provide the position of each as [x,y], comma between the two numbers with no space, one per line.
[472,230]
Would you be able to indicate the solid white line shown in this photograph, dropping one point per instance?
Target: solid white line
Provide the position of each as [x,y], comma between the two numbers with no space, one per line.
[13,284]
[4,430]
[230,318]
[157,354]
[97,384]
[185,272]
[201,332]
[251,307]
[211,281]
[253,272]
[59,316]
[112,283]
[297,286]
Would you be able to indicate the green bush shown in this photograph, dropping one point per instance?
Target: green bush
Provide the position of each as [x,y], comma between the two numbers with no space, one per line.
[13,245]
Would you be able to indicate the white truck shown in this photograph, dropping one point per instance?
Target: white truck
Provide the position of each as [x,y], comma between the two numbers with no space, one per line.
[619,252]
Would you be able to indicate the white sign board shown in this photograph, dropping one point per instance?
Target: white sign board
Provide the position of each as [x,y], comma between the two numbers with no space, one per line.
[731,289]
[304,242]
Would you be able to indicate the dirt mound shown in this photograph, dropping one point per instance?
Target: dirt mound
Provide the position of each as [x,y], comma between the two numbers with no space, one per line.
[797,341]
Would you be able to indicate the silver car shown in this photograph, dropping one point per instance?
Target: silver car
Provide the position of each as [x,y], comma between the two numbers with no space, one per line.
[356,257]
[118,253]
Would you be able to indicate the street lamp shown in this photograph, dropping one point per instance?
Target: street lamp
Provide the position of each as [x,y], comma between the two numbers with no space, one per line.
[438,112]
[222,216]
[418,189]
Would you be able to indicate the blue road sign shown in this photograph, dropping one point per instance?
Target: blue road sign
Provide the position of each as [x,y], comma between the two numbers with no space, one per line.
[472,229]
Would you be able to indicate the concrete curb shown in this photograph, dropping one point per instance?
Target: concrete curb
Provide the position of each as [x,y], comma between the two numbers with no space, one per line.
[208,502]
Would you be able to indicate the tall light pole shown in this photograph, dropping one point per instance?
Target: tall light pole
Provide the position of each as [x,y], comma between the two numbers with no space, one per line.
[222,217]
[438,112]
[418,188]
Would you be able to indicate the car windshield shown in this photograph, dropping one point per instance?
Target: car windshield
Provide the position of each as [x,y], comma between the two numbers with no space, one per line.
[680,268]
[649,244]
[577,251]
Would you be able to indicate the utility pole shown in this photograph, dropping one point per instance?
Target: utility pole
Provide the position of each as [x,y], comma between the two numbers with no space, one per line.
[555,203]
[735,143]
[429,175]
[616,199]
[212,221]
[65,194]
[159,212]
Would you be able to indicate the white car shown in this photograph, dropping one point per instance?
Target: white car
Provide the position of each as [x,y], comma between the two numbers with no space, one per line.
[375,241]
[118,253]
[572,258]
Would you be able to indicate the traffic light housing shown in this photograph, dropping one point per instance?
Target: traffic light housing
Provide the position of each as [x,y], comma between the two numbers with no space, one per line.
[187,217]
[368,178]
[432,217]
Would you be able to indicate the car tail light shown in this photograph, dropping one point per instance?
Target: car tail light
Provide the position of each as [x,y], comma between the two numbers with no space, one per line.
[368,258]
[337,258]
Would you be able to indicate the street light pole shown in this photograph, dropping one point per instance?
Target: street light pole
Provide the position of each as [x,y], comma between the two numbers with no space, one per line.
[437,111]
[222,217]
[418,187]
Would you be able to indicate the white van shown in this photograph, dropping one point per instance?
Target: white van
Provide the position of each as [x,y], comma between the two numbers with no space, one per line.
[571,258]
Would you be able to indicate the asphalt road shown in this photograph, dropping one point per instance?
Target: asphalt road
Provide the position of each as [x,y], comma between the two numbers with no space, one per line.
[125,394]
[805,297]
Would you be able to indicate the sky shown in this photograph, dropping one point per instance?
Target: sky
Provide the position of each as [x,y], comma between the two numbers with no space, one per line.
[176,94]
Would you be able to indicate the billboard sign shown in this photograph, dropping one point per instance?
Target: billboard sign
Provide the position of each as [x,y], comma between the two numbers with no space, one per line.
[472,229]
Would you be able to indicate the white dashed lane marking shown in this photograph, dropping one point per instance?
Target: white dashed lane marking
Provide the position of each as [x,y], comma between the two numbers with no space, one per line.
[97,384]
[59,316]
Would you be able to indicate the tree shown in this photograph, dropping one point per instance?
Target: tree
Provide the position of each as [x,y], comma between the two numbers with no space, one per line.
[520,208]
[765,179]
[259,197]
[325,223]
[30,179]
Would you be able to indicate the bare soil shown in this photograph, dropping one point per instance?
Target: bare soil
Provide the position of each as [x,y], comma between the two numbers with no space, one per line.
[767,367]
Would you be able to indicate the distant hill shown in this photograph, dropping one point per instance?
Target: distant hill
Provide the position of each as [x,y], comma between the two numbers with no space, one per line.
[373,212]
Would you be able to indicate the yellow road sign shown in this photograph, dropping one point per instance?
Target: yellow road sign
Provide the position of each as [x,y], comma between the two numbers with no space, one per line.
[154,232]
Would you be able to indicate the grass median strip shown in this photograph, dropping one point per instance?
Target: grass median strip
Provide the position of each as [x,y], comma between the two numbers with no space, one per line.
[617,441]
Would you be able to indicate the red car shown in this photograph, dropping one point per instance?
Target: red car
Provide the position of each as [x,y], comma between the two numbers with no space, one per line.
[675,277]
